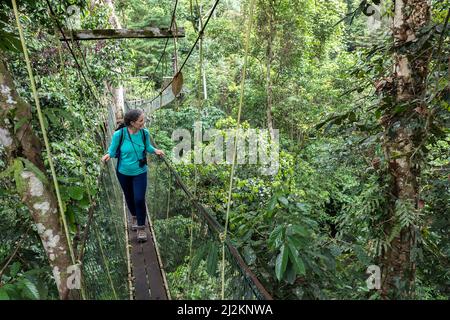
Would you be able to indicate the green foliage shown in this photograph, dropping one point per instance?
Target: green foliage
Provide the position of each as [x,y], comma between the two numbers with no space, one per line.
[310,230]
[73,121]
[172,234]
[28,285]
[199,286]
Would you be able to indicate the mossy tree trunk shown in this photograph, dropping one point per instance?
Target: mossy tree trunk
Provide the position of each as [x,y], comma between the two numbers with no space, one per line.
[405,119]
[23,153]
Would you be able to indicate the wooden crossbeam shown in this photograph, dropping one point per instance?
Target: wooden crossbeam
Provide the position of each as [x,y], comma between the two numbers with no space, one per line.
[101,34]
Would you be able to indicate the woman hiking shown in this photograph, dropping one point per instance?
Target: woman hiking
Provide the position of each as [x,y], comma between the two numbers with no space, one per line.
[130,145]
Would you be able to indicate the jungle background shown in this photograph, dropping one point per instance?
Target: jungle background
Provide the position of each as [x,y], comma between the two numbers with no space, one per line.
[316,71]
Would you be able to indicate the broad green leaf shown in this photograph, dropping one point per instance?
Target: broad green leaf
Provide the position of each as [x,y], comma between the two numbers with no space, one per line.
[290,275]
[75,192]
[211,261]
[279,239]
[284,201]
[84,203]
[64,192]
[93,191]
[3,192]
[361,255]
[281,262]
[3,294]
[274,235]
[45,122]
[296,260]
[29,289]
[272,204]
[300,230]
[247,235]
[302,207]
[21,184]
[335,250]
[199,256]
[53,119]
[11,290]
[9,42]
[70,214]
[43,290]
[8,171]
[14,269]
[296,241]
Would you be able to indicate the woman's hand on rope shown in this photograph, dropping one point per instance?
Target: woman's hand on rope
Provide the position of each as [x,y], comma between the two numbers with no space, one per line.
[159,153]
[106,158]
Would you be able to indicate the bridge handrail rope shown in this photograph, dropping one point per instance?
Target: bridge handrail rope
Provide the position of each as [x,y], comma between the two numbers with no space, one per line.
[191,230]
[175,50]
[127,251]
[168,197]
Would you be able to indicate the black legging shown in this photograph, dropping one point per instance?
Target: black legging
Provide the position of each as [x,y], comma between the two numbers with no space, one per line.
[134,188]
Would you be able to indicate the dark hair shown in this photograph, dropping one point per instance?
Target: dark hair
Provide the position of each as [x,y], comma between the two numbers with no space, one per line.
[130,116]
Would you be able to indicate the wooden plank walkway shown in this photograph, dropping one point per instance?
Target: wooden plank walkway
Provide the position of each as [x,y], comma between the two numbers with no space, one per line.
[148,278]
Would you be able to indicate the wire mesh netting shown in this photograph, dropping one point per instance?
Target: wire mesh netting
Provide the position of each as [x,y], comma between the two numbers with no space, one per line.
[105,270]
[105,264]
[190,246]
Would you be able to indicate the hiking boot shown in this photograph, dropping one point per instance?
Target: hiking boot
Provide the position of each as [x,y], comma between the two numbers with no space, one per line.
[134,224]
[141,235]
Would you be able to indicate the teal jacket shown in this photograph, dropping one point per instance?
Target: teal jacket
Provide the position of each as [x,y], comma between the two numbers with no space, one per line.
[129,158]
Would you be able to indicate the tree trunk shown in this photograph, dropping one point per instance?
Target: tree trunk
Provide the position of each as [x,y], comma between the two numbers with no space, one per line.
[403,134]
[269,59]
[36,192]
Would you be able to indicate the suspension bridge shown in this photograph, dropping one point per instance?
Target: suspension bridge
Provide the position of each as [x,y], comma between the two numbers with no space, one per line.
[184,235]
